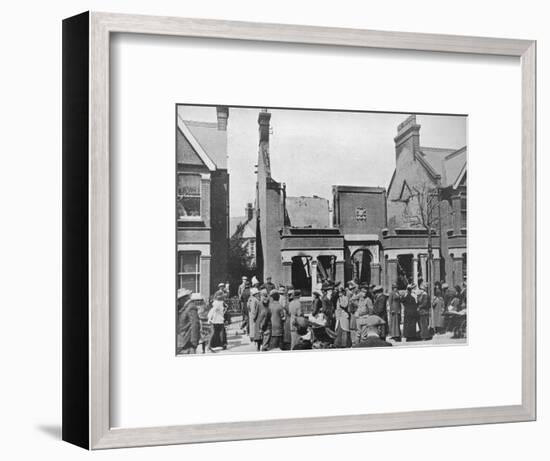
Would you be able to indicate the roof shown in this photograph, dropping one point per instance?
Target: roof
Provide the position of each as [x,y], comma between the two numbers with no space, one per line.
[249,230]
[212,140]
[448,164]
[365,189]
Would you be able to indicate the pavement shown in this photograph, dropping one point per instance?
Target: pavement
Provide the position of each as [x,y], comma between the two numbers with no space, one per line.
[239,341]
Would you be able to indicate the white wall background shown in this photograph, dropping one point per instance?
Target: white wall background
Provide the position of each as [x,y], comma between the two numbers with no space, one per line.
[30,228]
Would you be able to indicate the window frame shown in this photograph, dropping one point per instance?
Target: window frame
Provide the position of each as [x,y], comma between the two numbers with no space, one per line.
[197,273]
[182,196]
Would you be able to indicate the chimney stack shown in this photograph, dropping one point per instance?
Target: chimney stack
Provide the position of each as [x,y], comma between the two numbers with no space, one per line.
[249,212]
[222,113]
[263,121]
[408,137]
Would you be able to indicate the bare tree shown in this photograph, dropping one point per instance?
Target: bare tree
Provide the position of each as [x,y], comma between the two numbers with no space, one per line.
[427,199]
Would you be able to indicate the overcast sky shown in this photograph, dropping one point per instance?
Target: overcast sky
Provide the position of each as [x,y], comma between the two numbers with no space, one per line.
[313,150]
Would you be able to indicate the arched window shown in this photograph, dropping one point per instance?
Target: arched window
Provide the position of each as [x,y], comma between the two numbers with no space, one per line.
[361,261]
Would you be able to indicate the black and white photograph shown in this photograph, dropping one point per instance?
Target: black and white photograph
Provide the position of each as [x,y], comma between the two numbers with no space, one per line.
[319,229]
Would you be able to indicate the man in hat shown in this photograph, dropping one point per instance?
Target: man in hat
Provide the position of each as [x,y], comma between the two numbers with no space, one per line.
[242,286]
[269,285]
[183,296]
[284,300]
[243,301]
[263,324]
[380,309]
[277,320]
[220,291]
[189,327]
[253,308]
[374,324]
[295,310]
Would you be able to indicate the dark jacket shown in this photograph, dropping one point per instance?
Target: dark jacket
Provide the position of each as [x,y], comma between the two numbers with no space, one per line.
[277,318]
[263,321]
[189,328]
[379,306]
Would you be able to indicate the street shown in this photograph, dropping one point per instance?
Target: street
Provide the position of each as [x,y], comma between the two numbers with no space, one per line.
[239,342]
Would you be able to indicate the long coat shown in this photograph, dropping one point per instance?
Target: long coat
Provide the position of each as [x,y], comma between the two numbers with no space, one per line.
[263,322]
[189,327]
[394,303]
[253,310]
[277,318]
[411,316]
[438,309]
[423,315]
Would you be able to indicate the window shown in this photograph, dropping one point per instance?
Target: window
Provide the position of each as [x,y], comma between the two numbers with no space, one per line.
[189,271]
[189,195]
[252,248]
[301,274]
[463,212]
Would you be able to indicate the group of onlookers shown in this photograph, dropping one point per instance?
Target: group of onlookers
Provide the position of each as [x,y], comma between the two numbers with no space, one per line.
[355,315]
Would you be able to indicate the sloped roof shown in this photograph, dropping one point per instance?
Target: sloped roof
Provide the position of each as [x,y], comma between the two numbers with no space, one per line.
[185,152]
[249,230]
[446,163]
[211,139]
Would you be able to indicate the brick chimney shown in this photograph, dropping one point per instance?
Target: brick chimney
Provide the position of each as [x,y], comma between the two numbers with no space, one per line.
[249,212]
[408,137]
[222,113]
[263,149]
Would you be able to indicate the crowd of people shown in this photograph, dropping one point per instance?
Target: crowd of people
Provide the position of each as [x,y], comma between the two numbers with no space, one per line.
[354,315]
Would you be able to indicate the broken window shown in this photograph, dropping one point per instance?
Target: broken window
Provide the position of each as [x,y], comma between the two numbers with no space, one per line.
[301,274]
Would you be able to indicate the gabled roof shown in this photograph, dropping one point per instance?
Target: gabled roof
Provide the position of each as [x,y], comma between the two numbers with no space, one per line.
[445,164]
[197,147]
[405,194]
[249,230]
[212,140]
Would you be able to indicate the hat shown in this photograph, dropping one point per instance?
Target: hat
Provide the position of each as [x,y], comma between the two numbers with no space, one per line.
[317,292]
[273,291]
[254,291]
[183,292]
[445,285]
[374,320]
[221,284]
[394,285]
[244,277]
[282,290]
[378,288]
[197,297]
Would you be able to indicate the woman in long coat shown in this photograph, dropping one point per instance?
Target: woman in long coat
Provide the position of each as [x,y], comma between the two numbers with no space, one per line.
[423,315]
[438,307]
[410,308]
[343,335]
[394,304]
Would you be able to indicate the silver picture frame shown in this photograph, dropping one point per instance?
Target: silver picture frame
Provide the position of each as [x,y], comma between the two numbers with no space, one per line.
[86,229]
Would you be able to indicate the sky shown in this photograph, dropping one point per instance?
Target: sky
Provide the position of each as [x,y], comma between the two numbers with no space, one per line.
[312,150]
